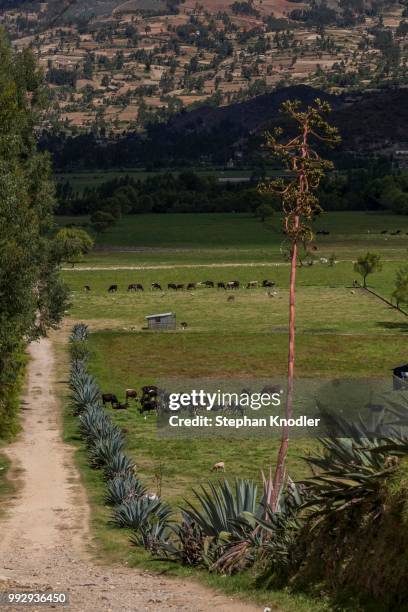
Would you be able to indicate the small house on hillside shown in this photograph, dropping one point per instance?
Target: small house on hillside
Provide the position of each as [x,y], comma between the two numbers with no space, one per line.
[163,321]
[400,377]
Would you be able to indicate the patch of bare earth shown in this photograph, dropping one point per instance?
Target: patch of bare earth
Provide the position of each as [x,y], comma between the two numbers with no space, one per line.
[45,536]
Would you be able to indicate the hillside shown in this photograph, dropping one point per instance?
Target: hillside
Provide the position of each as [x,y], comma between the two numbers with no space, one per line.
[115,66]
[374,123]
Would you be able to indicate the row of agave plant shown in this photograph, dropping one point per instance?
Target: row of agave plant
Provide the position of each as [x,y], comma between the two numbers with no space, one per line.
[229,527]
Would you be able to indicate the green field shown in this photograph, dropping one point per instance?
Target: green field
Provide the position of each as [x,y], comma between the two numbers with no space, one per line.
[341,331]
[236,238]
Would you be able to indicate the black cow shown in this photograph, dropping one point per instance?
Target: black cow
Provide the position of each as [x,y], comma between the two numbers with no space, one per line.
[150,390]
[183,325]
[148,406]
[191,286]
[120,406]
[181,286]
[208,284]
[109,398]
[233,285]
[384,232]
[156,286]
[87,288]
[172,286]
[268,283]
[221,286]
[135,287]
[113,289]
[271,389]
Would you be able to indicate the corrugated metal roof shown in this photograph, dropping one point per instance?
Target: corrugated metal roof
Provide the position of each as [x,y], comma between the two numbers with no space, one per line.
[156,316]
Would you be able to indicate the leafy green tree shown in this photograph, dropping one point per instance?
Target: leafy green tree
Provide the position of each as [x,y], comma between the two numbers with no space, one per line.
[264,211]
[400,293]
[102,220]
[368,264]
[32,297]
[71,244]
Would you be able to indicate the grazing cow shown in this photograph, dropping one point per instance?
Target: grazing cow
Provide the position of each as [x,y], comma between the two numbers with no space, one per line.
[252,285]
[131,393]
[135,287]
[191,286]
[113,289]
[148,405]
[183,325]
[180,287]
[221,286]
[172,286]
[87,288]
[268,283]
[109,398]
[271,389]
[156,286]
[209,284]
[218,467]
[233,285]
[119,406]
[150,390]
[384,232]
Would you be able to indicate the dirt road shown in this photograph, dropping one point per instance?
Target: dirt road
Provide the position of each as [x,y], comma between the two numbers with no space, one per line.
[45,531]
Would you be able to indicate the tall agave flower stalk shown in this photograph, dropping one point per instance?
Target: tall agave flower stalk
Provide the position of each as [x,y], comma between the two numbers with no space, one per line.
[299,204]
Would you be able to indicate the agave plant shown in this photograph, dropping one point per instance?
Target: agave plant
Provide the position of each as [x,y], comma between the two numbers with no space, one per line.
[138,511]
[103,450]
[122,489]
[220,505]
[352,465]
[119,466]
[85,392]
[96,424]
[225,514]
[79,332]
[152,534]
[79,350]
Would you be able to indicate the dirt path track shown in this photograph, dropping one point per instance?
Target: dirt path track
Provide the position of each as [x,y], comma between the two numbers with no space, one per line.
[45,531]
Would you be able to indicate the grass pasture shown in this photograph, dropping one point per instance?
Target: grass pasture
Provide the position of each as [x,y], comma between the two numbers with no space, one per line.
[237,238]
[341,332]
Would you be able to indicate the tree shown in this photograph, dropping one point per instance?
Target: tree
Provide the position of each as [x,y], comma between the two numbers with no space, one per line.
[368,264]
[101,220]
[300,205]
[32,296]
[263,211]
[71,244]
[400,293]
